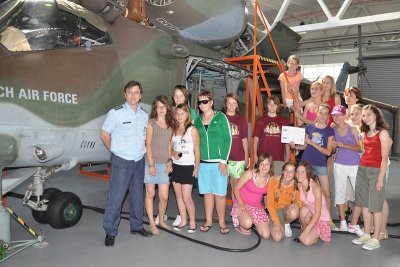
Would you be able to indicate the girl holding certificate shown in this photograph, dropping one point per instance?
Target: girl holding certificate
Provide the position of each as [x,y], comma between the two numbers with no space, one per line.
[318,146]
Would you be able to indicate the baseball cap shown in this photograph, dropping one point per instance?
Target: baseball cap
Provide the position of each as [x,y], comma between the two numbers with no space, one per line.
[338,110]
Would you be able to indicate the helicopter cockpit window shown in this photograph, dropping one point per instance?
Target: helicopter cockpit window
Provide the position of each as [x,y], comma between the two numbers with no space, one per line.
[40,25]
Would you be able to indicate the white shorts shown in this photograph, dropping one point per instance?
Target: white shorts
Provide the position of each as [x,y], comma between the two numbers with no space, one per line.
[342,174]
[289,102]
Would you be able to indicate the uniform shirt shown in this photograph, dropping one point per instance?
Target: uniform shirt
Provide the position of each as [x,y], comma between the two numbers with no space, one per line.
[128,131]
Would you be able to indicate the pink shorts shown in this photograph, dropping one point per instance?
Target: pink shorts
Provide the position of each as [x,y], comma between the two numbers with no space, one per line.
[323,229]
[257,213]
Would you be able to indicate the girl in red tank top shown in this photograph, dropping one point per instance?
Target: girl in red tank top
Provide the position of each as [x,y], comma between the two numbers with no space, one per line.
[329,95]
[372,170]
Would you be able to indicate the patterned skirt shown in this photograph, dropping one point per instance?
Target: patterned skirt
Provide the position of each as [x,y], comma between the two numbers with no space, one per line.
[257,213]
[323,229]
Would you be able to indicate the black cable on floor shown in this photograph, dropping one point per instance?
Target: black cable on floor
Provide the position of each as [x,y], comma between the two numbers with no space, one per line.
[101,210]
[295,224]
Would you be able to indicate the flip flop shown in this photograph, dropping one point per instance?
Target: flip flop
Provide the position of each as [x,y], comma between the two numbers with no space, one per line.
[205,228]
[223,230]
[242,231]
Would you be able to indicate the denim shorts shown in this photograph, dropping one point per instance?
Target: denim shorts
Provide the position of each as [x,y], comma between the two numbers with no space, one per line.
[320,170]
[161,176]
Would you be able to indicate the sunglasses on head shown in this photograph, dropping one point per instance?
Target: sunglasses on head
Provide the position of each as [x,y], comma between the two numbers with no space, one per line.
[205,101]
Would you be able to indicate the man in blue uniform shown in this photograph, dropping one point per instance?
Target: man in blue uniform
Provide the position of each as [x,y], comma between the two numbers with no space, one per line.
[123,134]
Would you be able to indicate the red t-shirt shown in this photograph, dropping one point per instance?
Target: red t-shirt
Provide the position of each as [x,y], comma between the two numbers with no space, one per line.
[268,130]
[239,132]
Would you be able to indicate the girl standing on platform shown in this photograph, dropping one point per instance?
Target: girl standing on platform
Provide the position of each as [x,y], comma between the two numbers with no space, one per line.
[158,151]
[293,87]
[314,214]
[371,180]
[239,155]
[247,208]
[283,201]
[185,166]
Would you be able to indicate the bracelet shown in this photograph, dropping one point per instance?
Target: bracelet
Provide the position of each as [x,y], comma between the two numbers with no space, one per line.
[152,165]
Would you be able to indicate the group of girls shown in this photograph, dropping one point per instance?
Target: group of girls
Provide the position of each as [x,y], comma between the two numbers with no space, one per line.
[180,148]
[172,149]
[351,138]
[215,146]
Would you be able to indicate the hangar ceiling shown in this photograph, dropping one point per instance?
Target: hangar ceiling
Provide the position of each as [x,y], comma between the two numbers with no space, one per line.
[332,24]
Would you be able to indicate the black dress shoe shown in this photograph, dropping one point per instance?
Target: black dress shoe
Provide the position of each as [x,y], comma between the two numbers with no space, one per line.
[142,231]
[109,241]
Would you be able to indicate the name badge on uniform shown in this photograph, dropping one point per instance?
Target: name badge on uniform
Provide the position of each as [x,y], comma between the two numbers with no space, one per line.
[126,122]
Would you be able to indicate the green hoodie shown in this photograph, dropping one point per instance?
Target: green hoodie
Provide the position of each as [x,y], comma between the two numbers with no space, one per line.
[215,143]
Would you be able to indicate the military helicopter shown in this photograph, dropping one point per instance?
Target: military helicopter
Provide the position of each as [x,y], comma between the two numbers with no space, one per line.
[63,65]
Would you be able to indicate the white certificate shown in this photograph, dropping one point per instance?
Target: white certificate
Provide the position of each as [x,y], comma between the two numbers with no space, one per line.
[293,134]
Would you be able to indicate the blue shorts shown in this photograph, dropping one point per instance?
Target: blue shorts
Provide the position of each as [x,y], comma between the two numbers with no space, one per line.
[211,181]
[320,170]
[161,176]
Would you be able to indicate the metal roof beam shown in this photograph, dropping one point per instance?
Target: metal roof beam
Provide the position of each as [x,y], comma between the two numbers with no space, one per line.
[281,12]
[334,22]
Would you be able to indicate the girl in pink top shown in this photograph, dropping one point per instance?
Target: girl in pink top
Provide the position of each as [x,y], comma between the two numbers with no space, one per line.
[314,215]
[310,113]
[247,208]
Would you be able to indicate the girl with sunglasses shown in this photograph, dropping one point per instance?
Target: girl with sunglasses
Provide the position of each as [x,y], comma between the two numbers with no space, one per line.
[215,145]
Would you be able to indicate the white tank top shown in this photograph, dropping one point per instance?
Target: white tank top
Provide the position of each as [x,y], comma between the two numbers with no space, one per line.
[184,145]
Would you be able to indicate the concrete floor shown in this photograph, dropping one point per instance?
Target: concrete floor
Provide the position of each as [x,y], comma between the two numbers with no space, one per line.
[83,244]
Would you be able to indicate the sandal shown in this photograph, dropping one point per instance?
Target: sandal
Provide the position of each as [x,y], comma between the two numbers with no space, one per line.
[383,236]
[192,230]
[223,230]
[243,231]
[154,230]
[180,228]
[205,228]
[165,226]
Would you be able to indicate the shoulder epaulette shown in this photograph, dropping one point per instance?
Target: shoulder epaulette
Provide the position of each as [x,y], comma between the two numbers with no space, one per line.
[119,107]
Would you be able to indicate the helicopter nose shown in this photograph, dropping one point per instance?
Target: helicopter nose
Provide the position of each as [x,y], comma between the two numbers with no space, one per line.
[8,149]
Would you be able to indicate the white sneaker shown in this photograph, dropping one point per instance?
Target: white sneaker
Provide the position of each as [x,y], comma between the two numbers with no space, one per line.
[361,240]
[157,219]
[371,244]
[177,221]
[333,226]
[343,226]
[355,229]
[288,230]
